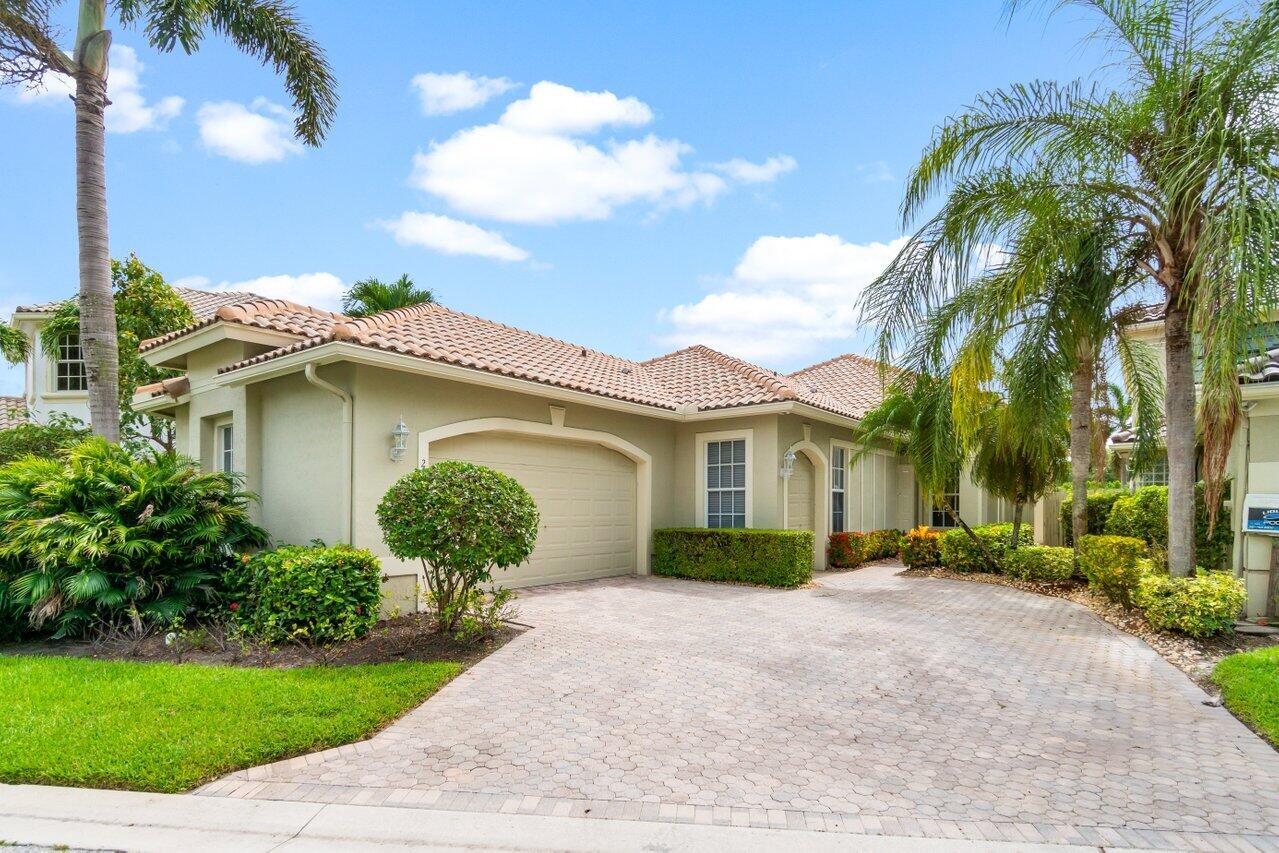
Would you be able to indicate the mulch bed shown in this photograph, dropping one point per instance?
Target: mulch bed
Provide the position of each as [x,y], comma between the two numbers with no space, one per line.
[404,638]
[1196,658]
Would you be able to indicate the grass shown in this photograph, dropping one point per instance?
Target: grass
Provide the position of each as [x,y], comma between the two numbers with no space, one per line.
[1249,685]
[165,727]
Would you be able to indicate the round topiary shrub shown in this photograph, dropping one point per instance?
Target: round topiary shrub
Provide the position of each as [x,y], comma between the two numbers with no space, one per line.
[462,521]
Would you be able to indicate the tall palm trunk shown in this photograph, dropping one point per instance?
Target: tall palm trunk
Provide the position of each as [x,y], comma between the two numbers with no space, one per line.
[1080,440]
[1179,423]
[97,309]
[1017,513]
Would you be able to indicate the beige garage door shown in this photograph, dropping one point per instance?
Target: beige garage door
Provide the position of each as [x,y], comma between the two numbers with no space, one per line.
[585,493]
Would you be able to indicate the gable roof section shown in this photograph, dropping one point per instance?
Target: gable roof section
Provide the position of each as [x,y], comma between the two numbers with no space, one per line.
[696,377]
[13,412]
[203,303]
[853,383]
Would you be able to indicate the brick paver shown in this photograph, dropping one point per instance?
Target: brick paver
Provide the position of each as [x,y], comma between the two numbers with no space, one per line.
[873,703]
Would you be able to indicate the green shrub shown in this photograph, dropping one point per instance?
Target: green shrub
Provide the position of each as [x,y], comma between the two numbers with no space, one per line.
[1143,514]
[1097,509]
[100,535]
[1113,565]
[1040,563]
[921,548]
[782,558]
[960,553]
[1203,605]
[310,595]
[846,550]
[462,521]
[883,544]
[45,440]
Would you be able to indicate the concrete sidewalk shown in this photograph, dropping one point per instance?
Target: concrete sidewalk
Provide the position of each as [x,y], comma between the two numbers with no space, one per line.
[122,820]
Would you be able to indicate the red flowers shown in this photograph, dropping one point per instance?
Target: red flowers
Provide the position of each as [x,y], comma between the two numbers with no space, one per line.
[235,605]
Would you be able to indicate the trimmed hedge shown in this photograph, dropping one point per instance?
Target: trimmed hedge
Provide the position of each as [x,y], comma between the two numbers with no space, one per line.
[1113,565]
[1098,509]
[921,548]
[305,594]
[960,553]
[781,558]
[1040,563]
[846,550]
[1201,606]
[1143,514]
[882,544]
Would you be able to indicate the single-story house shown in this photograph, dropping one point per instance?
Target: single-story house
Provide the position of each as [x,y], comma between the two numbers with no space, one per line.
[322,413]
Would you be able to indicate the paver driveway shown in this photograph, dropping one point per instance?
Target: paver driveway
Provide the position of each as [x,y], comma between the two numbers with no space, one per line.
[874,703]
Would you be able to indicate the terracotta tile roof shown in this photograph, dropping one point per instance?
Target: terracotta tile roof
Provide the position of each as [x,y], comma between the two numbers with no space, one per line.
[849,384]
[203,303]
[696,377]
[278,315]
[702,377]
[13,411]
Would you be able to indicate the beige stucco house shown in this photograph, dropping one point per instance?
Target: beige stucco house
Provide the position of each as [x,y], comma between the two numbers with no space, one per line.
[1253,465]
[322,413]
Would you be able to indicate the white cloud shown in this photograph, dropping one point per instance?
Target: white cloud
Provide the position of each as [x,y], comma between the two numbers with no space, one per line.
[129,110]
[555,108]
[746,172]
[876,173]
[259,133]
[787,296]
[316,289]
[442,94]
[451,236]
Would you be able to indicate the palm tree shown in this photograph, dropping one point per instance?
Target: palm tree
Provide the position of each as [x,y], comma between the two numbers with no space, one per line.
[373,295]
[265,29]
[1181,156]
[1054,306]
[13,344]
[916,415]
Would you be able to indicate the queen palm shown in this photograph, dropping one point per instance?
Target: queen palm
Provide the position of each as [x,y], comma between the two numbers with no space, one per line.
[1182,155]
[372,295]
[265,29]
[13,344]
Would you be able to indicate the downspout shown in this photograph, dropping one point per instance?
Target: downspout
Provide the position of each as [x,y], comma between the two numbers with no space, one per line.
[1237,498]
[348,447]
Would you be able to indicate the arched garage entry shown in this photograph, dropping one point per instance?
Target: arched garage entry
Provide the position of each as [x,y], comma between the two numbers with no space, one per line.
[593,490]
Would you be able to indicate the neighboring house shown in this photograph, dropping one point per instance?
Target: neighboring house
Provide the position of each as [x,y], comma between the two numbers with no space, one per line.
[1253,466]
[13,411]
[322,413]
[59,384]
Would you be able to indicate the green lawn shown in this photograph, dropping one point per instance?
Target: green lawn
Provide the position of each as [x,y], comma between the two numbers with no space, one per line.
[1249,685]
[164,727]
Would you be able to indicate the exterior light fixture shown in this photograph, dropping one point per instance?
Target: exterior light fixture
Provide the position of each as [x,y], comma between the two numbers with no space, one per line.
[788,464]
[399,441]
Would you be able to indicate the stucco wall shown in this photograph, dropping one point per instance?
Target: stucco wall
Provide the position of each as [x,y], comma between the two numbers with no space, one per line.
[42,399]
[1255,468]
[383,397]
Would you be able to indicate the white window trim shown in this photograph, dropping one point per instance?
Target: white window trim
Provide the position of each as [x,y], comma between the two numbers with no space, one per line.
[849,450]
[219,449]
[51,374]
[705,438]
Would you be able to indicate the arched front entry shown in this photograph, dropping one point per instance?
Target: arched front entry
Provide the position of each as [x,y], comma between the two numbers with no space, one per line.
[807,498]
[581,479]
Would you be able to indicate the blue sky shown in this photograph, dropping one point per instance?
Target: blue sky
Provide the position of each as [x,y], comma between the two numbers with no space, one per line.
[630,177]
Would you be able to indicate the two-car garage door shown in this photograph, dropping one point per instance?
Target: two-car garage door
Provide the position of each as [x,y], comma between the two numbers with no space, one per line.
[586,496]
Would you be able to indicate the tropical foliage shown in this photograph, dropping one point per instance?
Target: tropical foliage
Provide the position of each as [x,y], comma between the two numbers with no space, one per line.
[462,521]
[30,36]
[145,307]
[1113,565]
[99,535]
[984,550]
[1174,167]
[1206,604]
[371,295]
[46,440]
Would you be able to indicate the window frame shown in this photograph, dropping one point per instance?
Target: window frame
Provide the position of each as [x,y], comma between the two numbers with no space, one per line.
[1143,478]
[57,362]
[935,511]
[224,449]
[704,439]
[847,450]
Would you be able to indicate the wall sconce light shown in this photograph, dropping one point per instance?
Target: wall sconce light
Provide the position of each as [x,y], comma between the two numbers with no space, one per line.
[788,464]
[399,441]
